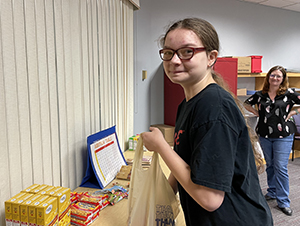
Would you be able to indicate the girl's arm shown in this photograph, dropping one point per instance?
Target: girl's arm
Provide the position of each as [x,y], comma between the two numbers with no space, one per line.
[210,199]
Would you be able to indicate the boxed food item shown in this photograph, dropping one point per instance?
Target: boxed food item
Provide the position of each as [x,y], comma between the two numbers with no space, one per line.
[46,212]
[32,208]
[167,131]
[24,209]
[132,142]
[16,208]
[48,190]
[62,195]
[84,212]
[31,188]
[9,208]
[39,188]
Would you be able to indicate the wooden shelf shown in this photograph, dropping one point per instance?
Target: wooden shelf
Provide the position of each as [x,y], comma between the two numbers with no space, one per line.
[262,75]
[294,79]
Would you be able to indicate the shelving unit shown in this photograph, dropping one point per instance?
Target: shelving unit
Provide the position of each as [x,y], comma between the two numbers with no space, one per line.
[294,79]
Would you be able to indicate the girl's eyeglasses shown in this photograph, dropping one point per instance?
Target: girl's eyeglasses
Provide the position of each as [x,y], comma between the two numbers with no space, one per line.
[184,53]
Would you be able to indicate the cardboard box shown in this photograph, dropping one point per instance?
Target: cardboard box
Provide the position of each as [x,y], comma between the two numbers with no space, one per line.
[241,92]
[167,131]
[249,64]
[244,64]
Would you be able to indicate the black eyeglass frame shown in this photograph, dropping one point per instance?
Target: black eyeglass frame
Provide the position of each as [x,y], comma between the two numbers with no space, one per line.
[195,50]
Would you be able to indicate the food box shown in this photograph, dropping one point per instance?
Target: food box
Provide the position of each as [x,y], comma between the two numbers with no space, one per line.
[16,208]
[62,195]
[32,208]
[24,209]
[46,212]
[31,188]
[9,208]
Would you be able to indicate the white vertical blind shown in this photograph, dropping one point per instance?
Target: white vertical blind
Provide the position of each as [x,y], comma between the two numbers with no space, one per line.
[66,71]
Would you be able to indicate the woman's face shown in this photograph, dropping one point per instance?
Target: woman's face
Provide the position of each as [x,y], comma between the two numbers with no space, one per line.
[276,78]
[186,72]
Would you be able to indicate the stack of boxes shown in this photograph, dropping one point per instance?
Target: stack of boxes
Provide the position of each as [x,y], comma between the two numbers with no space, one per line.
[41,205]
[249,64]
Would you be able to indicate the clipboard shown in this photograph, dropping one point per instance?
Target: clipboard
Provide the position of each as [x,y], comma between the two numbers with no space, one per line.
[105,159]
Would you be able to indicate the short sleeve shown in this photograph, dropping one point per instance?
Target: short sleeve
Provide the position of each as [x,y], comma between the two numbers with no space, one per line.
[252,100]
[212,162]
[295,96]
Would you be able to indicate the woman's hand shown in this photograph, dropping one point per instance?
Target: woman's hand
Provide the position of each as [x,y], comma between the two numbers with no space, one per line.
[293,112]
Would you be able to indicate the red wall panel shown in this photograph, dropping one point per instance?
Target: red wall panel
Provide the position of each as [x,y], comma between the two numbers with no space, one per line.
[173,93]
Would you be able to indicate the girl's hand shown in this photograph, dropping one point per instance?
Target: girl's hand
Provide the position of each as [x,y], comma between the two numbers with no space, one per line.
[154,140]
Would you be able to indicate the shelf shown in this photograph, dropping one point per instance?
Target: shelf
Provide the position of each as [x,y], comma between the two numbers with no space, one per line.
[262,75]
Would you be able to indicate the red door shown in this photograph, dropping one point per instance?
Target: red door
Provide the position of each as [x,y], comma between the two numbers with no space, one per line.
[173,93]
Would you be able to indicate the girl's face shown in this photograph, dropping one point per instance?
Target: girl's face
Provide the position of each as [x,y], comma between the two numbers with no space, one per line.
[276,78]
[186,72]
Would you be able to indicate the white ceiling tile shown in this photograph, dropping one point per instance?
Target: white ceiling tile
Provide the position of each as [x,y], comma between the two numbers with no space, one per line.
[284,4]
[255,1]
[293,1]
[295,7]
[277,3]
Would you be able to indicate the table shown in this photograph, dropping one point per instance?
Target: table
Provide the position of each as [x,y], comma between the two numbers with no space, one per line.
[117,215]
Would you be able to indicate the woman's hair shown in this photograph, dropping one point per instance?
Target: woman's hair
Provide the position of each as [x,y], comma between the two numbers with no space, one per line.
[210,40]
[283,86]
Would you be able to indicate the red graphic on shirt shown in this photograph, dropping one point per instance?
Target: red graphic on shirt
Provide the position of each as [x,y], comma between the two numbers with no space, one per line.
[176,137]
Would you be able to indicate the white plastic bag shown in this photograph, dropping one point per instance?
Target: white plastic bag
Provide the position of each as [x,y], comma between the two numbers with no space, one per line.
[151,199]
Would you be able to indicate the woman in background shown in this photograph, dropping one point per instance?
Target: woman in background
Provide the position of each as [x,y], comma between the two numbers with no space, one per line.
[275,130]
[213,163]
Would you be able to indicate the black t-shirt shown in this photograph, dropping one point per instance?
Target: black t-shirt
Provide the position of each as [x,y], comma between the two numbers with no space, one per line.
[272,114]
[212,138]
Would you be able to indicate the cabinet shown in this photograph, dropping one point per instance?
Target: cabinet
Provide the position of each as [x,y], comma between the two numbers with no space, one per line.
[174,94]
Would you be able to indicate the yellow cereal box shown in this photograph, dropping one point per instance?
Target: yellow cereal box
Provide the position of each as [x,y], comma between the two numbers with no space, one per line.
[47,190]
[24,209]
[31,187]
[46,212]
[39,188]
[16,208]
[32,208]
[9,208]
[63,201]
[63,198]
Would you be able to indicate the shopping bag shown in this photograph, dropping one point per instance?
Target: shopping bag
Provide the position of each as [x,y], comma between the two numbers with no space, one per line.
[151,199]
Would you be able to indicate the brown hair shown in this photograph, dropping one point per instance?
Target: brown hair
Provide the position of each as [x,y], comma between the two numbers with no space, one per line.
[210,40]
[284,84]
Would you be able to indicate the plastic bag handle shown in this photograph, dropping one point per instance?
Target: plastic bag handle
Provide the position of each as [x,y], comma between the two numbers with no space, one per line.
[138,155]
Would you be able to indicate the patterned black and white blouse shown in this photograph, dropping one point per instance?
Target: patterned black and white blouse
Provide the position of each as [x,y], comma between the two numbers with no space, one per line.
[272,114]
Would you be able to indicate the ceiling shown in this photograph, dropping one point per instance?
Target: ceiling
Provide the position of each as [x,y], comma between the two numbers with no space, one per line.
[293,5]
